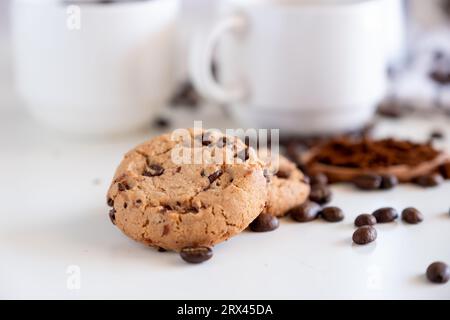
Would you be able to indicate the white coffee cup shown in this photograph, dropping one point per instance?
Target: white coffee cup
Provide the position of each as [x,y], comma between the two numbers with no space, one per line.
[92,68]
[306,67]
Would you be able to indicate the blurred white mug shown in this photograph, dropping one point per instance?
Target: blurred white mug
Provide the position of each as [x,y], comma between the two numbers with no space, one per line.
[306,67]
[94,68]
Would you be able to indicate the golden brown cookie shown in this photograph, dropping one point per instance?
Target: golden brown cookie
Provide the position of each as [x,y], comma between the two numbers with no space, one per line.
[164,203]
[288,187]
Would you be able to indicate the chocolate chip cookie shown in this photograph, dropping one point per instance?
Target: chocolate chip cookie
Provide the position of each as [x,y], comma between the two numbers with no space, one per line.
[288,188]
[172,192]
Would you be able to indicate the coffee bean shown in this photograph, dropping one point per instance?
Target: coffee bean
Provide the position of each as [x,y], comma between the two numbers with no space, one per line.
[110,202]
[306,212]
[367,181]
[445,170]
[161,249]
[385,215]
[332,214]
[196,254]
[264,222]
[161,123]
[388,181]
[282,174]
[154,170]
[365,220]
[412,216]
[112,216]
[438,272]
[320,194]
[186,96]
[319,178]
[364,235]
[437,135]
[440,76]
[214,176]
[429,181]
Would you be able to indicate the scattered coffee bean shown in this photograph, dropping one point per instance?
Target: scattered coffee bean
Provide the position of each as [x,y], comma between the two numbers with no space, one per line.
[264,222]
[283,174]
[196,254]
[319,178]
[440,76]
[110,202]
[112,216]
[306,212]
[186,96]
[412,216]
[429,181]
[438,272]
[388,181]
[161,123]
[332,214]
[364,235]
[320,194]
[437,135]
[385,215]
[154,170]
[161,249]
[365,220]
[368,181]
[214,176]
[445,170]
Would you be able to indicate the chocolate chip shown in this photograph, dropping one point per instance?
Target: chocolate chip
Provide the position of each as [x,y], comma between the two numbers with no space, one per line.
[318,178]
[367,181]
[243,155]
[320,194]
[166,230]
[216,175]
[445,170]
[122,186]
[282,174]
[388,181]
[429,181]
[364,235]
[125,205]
[365,220]
[385,215]
[110,202]
[154,170]
[222,142]
[412,216]
[196,254]
[438,272]
[160,249]
[112,216]
[138,202]
[332,214]
[264,222]
[305,212]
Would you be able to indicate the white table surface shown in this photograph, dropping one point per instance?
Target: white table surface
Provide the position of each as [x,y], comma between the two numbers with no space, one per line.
[53,215]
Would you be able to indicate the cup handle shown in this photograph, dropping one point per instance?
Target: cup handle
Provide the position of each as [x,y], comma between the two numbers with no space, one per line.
[201,59]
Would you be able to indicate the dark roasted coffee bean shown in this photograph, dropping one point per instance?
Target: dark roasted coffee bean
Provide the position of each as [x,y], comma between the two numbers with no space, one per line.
[112,216]
[438,272]
[264,222]
[306,212]
[214,176]
[385,215]
[429,181]
[365,220]
[283,174]
[388,181]
[318,178]
[445,170]
[367,181]
[412,216]
[186,96]
[161,123]
[441,76]
[332,214]
[196,254]
[154,170]
[437,135]
[161,249]
[364,235]
[110,202]
[320,194]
